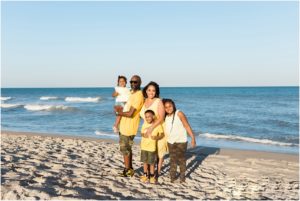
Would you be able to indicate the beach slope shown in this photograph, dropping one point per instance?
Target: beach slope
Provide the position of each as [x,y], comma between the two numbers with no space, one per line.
[36,166]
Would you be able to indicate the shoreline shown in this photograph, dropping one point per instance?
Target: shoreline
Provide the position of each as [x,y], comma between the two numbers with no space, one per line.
[45,166]
[240,153]
[56,135]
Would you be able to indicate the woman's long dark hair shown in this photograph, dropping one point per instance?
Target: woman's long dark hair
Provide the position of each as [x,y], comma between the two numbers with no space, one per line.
[156,86]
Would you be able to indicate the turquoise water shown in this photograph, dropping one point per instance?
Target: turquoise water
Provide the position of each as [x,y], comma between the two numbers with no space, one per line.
[256,118]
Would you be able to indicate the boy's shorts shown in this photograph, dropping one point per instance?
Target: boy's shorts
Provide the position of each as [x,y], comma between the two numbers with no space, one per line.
[148,157]
[126,143]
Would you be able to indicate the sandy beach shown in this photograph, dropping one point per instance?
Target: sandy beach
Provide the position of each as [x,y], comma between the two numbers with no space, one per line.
[37,166]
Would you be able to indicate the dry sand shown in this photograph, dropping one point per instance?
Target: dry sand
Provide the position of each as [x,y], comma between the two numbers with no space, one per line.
[36,166]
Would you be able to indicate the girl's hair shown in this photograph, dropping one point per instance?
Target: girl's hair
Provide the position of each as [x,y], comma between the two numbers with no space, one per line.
[122,77]
[150,111]
[167,100]
[156,86]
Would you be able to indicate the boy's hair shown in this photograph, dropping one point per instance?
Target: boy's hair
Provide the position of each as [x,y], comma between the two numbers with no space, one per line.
[155,85]
[122,77]
[150,111]
[167,100]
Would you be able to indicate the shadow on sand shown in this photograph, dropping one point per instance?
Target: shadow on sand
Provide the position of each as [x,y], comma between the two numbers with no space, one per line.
[198,154]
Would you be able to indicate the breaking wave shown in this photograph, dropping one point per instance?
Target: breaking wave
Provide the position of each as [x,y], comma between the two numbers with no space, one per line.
[48,108]
[79,99]
[247,139]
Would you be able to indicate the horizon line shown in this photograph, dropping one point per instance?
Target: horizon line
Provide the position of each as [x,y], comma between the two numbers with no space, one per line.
[248,86]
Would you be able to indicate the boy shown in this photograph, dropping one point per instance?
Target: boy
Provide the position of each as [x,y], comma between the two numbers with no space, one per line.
[148,147]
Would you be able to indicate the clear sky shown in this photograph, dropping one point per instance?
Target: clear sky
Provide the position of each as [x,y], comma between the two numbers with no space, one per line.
[88,44]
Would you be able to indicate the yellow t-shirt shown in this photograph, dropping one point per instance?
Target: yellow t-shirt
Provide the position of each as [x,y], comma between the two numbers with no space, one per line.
[147,144]
[129,125]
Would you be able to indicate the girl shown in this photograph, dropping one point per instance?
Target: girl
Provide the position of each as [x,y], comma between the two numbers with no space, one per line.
[177,127]
[122,93]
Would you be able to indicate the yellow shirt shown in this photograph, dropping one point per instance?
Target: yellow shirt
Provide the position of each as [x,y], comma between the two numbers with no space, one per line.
[147,144]
[129,125]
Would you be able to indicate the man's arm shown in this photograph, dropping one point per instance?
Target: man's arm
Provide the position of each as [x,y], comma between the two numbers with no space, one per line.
[114,94]
[126,114]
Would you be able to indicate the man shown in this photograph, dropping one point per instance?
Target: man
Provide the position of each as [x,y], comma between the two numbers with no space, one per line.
[129,123]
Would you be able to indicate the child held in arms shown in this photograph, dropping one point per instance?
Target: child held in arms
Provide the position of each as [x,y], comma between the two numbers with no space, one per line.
[122,94]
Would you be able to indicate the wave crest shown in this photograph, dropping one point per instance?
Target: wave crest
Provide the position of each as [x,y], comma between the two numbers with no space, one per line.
[48,98]
[47,107]
[5,98]
[79,99]
[5,105]
[246,139]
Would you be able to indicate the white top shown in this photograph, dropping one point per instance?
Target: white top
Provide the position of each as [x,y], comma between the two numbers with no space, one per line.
[124,94]
[175,129]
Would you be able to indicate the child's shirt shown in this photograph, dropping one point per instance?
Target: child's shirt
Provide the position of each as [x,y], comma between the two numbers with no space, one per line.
[148,144]
[174,129]
[124,94]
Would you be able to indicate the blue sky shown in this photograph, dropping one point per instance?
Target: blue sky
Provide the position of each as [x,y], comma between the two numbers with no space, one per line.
[88,44]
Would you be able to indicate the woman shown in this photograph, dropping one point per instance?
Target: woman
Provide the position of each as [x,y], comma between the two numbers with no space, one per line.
[177,127]
[154,103]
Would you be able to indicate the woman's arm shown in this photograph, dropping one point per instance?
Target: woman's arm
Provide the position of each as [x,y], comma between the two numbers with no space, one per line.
[187,126]
[159,120]
[160,136]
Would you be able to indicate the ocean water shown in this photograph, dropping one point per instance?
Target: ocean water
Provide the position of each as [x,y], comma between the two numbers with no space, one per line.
[254,118]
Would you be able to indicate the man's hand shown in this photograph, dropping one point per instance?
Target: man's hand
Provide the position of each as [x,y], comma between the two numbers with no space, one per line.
[118,108]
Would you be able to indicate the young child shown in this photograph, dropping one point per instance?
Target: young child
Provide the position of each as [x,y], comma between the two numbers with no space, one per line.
[148,147]
[122,94]
[176,128]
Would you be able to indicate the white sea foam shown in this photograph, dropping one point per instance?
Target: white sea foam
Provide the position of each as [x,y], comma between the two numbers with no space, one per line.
[106,134]
[47,107]
[246,139]
[5,105]
[48,98]
[80,99]
[114,135]
[5,98]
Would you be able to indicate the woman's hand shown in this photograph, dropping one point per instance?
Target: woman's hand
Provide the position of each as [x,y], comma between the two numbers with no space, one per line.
[155,137]
[159,137]
[149,131]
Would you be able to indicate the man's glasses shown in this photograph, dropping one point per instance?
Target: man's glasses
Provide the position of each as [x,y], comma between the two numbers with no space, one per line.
[133,82]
